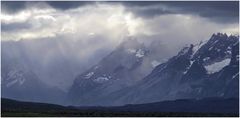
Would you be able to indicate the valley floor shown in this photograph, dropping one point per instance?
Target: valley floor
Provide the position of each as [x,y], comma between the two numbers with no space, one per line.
[225,108]
[108,114]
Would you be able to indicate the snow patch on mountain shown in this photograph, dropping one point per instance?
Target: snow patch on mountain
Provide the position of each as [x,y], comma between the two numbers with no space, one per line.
[215,42]
[21,80]
[215,67]
[12,83]
[210,48]
[206,58]
[191,62]
[155,63]
[235,75]
[184,51]
[16,76]
[89,75]
[101,79]
[132,50]
[198,46]
[140,53]
[229,52]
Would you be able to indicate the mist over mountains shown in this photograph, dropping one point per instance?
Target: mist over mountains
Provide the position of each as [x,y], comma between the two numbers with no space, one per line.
[133,73]
[55,62]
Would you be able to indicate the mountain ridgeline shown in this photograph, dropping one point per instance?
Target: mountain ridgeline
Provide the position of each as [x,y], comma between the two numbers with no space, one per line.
[131,74]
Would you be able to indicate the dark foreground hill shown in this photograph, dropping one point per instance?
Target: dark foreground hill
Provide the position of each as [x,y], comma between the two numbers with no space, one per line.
[190,107]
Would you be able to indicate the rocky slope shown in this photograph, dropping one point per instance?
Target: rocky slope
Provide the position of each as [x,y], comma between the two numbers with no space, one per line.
[207,69]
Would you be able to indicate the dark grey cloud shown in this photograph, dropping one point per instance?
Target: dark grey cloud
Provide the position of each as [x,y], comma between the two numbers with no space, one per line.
[64,5]
[219,11]
[48,22]
[150,12]
[12,7]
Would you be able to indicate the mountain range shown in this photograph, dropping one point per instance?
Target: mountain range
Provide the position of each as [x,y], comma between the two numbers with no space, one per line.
[207,69]
[132,73]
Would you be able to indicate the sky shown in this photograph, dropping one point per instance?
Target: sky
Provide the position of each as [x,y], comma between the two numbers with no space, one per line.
[116,20]
[101,26]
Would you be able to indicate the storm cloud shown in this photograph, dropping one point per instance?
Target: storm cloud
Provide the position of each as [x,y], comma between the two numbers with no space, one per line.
[115,20]
[99,27]
[219,11]
[224,12]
